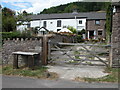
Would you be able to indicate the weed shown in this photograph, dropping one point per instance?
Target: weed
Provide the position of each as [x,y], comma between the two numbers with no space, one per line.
[112,77]
[39,72]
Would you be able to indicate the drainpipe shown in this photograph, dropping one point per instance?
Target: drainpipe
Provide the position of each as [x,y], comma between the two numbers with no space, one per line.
[76,24]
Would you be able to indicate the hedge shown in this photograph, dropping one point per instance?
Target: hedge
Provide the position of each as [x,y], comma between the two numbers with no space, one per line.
[17,34]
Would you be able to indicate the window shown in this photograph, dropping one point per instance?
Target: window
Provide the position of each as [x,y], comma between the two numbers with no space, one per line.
[80,21]
[59,23]
[64,26]
[44,24]
[99,32]
[97,22]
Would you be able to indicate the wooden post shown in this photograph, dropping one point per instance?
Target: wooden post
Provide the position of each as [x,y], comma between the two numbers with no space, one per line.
[44,50]
[15,62]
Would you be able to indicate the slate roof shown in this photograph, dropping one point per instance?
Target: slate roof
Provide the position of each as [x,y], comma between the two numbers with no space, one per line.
[116,3]
[88,15]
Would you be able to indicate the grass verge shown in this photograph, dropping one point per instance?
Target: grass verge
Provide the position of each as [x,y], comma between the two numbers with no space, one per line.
[39,72]
[112,77]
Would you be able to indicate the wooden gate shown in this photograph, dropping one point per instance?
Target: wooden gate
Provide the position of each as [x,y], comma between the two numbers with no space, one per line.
[76,53]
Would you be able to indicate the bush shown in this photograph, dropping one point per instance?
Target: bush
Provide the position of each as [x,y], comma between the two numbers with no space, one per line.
[10,35]
[17,34]
[26,34]
[79,38]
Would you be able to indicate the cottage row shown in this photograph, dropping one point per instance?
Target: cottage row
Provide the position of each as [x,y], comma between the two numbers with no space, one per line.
[92,22]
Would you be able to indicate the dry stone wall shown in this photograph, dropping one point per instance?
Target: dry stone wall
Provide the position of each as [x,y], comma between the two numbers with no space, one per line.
[13,45]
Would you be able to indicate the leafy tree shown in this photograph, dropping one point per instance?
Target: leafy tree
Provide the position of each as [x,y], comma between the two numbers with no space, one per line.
[70,8]
[25,13]
[8,20]
[80,6]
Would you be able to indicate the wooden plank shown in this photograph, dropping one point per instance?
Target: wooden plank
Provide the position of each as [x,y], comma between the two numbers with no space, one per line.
[96,57]
[55,49]
[53,58]
[78,44]
[98,52]
[77,55]
[24,53]
[88,64]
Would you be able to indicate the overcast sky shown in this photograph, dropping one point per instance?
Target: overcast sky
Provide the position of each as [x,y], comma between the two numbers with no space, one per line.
[34,6]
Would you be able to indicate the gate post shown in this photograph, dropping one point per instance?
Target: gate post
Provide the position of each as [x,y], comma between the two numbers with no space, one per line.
[45,49]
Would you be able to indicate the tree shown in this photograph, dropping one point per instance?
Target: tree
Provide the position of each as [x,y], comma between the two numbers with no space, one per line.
[25,13]
[8,20]
[80,6]
[70,8]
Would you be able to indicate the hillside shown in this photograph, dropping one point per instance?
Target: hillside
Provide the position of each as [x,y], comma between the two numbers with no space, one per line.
[79,6]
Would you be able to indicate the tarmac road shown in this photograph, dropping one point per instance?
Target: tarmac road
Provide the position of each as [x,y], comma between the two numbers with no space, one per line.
[26,82]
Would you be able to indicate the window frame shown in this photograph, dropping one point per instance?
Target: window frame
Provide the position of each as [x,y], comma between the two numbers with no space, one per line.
[96,22]
[80,22]
[44,23]
[59,23]
[100,34]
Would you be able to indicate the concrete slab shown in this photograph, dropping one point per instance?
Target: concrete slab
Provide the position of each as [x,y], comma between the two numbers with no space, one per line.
[71,72]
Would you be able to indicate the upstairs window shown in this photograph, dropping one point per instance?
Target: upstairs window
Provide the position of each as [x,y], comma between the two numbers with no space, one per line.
[59,23]
[97,22]
[44,24]
[80,21]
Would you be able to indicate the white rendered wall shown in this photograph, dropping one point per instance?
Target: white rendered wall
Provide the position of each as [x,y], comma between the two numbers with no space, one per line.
[21,27]
[35,23]
[52,24]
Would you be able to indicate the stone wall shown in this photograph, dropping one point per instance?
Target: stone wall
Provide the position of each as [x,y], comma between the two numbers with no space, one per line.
[13,45]
[62,38]
[116,38]
[31,44]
